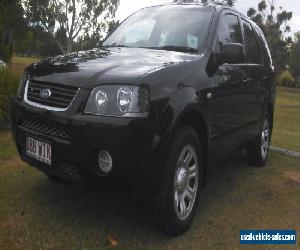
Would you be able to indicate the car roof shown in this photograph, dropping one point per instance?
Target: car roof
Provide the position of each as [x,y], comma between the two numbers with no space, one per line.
[217,5]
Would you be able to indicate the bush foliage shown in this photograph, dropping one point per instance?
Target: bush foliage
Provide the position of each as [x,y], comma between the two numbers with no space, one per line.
[9,80]
[286,79]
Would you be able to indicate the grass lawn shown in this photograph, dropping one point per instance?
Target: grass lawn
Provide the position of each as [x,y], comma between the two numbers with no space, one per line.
[18,64]
[23,61]
[37,213]
[287,119]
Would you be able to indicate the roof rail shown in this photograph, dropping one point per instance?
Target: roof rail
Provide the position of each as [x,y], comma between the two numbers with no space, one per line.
[187,1]
[206,2]
[218,3]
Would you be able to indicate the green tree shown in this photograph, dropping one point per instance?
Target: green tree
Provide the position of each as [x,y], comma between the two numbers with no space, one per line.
[37,42]
[22,45]
[295,56]
[112,26]
[273,21]
[73,17]
[11,26]
[88,41]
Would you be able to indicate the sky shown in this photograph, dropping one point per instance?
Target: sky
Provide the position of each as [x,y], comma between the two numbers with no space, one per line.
[127,7]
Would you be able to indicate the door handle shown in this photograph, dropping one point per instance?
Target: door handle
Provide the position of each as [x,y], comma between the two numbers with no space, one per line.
[246,79]
[209,95]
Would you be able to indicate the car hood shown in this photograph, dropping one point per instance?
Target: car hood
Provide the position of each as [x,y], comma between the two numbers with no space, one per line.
[105,65]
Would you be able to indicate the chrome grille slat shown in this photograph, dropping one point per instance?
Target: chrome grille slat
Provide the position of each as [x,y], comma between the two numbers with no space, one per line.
[59,99]
[61,95]
[53,102]
[44,129]
[66,95]
[42,86]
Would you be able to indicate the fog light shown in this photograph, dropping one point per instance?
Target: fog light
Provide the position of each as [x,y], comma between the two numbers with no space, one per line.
[105,162]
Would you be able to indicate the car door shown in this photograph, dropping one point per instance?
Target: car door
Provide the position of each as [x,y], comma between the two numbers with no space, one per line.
[256,77]
[229,102]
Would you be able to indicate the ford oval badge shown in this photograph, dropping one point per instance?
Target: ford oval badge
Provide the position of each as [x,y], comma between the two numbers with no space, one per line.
[45,93]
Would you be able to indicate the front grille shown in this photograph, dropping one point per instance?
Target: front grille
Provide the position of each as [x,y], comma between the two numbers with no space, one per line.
[59,167]
[61,96]
[67,170]
[44,129]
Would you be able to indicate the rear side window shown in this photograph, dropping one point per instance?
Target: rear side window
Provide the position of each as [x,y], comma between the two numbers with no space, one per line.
[229,30]
[264,46]
[252,47]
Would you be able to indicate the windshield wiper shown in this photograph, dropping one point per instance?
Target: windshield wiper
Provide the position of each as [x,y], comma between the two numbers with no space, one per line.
[116,45]
[178,48]
[166,47]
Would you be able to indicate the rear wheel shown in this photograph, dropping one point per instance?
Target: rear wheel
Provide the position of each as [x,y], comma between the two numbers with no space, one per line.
[177,199]
[258,150]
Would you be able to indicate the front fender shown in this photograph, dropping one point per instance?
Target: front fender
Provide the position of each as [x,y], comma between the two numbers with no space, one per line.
[184,101]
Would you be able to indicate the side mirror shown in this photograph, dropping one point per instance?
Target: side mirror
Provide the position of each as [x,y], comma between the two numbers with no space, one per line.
[232,53]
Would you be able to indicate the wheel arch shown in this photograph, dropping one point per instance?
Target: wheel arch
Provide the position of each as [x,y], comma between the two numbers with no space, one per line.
[270,111]
[196,120]
[185,108]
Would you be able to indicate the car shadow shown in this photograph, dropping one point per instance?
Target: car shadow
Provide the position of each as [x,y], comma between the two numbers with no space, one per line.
[124,208]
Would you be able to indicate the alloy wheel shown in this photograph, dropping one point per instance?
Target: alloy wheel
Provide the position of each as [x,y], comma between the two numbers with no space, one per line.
[186,182]
[265,139]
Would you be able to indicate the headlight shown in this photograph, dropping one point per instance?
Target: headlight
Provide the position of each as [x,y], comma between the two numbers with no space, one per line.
[101,100]
[118,100]
[22,84]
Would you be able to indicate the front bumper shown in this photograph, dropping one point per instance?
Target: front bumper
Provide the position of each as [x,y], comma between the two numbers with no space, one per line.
[76,140]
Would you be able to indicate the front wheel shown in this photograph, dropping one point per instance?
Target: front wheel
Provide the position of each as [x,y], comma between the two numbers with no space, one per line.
[177,199]
[258,150]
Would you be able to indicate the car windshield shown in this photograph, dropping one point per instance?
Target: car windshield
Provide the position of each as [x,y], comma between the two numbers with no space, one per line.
[178,28]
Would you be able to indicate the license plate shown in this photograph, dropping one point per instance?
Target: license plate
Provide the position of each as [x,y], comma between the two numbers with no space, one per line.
[39,150]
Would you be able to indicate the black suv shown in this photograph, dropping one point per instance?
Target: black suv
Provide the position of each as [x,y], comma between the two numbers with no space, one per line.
[174,89]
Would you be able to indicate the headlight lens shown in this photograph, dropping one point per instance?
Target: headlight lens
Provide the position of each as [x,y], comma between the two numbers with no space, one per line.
[124,99]
[101,100]
[118,100]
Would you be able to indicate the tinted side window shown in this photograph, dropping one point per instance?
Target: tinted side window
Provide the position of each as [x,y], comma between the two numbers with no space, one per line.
[252,47]
[264,46]
[229,30]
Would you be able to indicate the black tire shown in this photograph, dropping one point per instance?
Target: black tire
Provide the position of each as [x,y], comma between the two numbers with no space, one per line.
[164,202]
[255,154]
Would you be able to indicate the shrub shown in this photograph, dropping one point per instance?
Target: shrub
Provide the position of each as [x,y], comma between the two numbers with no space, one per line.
[298,82]
[286,79]
[9,81]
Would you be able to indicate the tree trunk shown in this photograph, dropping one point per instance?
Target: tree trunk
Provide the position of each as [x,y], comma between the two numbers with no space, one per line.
[60,47]
[8,38]
[69,45]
